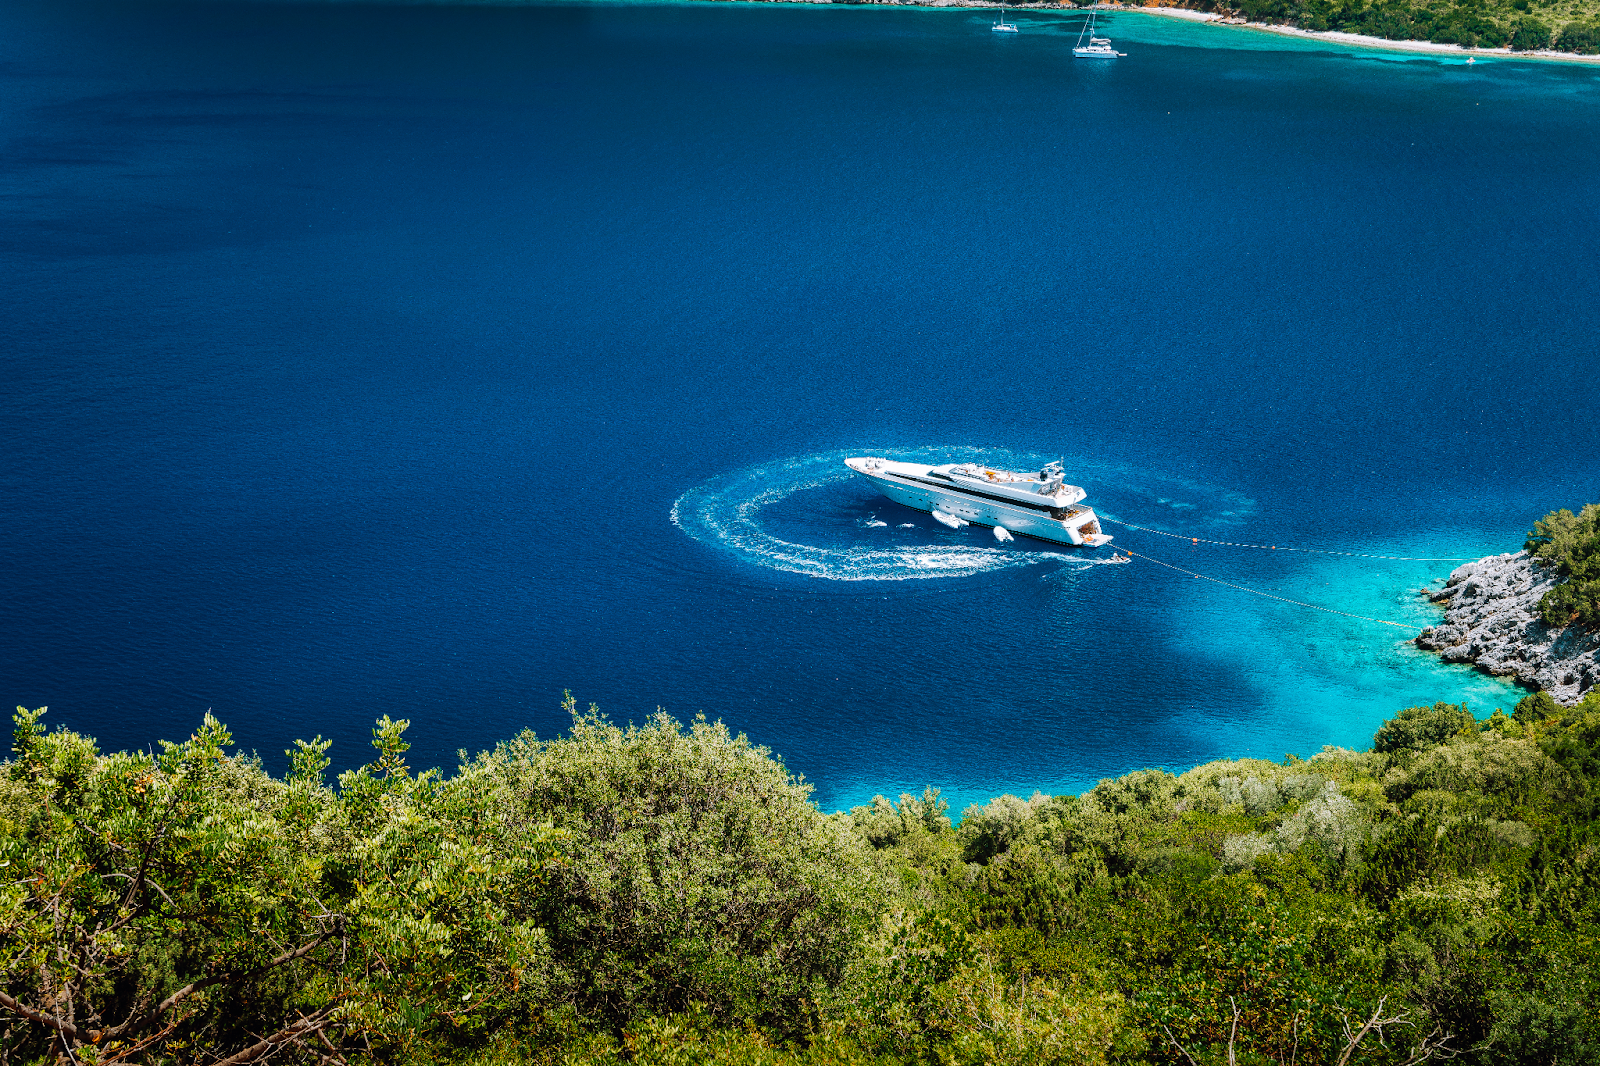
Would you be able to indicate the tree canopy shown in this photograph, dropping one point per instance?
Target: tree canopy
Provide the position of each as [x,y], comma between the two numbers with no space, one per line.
[663,893]
[1570,544]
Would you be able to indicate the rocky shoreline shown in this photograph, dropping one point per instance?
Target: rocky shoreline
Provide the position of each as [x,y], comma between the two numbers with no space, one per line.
[1491,620]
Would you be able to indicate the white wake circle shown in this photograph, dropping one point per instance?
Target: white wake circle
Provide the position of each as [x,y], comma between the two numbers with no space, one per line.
[727,513]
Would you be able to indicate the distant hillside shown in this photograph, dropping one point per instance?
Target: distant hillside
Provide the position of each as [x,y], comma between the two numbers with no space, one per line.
[1521,25]
[1527,25]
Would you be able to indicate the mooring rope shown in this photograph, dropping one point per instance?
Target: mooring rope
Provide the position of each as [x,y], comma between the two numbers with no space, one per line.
[1275,547]
[1268,595]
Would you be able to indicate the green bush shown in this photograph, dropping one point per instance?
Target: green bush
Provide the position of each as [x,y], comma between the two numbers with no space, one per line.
[695,871]
[1416,728]
[669,895]
[1530,35]
[1581,37]
[191,905]
[990,829]
[884,825]
[1536,708]
[1570,544]
[1264,10]
[185,906]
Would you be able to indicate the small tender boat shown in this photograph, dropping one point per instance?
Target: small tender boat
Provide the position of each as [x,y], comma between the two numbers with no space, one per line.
[1098,47]
[1038,505]
[1003,26]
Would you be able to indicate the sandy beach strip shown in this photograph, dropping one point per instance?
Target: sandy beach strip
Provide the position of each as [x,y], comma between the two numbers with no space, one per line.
[1355,39]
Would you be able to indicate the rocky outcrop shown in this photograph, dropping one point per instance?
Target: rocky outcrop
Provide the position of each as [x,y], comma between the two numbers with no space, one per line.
[1491,620]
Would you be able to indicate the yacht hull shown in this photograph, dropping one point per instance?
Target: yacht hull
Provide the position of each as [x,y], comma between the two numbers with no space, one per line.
[906,484]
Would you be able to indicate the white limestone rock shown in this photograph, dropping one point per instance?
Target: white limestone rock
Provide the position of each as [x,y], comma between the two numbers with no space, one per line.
[1491,620]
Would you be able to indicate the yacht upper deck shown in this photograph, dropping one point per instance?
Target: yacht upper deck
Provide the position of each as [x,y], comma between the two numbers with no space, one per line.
[1029,488]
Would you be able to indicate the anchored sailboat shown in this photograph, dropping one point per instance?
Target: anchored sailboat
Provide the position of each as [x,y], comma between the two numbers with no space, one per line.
[1003,26]
[1098,47]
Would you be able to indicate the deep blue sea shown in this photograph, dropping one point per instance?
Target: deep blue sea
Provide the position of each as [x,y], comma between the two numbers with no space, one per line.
[430,360]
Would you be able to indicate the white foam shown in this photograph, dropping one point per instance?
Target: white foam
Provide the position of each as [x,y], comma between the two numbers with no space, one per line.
[726,512]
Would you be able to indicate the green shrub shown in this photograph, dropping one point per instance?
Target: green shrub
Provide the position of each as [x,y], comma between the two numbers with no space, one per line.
[1264,10]
[1570,544]
[1581,37]
[990,829]
[1536,708]
[1530,35]
[695,871]
[1416,728]
[884,825]
[669,895]
[185,906]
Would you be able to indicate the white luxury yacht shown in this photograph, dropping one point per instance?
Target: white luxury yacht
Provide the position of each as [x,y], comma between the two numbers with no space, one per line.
[957,494]
[1003,26]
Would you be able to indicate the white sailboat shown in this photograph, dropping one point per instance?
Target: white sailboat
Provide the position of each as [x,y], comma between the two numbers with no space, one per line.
[1003,26]
[1098,47]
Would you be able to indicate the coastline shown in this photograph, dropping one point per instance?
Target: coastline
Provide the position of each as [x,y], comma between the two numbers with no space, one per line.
[1491,621]
[1354,40]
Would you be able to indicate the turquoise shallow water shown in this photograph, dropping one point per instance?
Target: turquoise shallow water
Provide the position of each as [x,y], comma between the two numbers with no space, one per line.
[430,360]
[1281,629]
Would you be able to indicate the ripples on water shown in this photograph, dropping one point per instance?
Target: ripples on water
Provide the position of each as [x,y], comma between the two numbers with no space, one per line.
[734,513]
[376,359]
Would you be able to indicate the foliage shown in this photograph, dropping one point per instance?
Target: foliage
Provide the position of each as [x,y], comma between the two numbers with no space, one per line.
[1382,905]
[668,894]
[1521,24]
[1530,34]
[883,824]
[695,871]
[186,904]
[1570,545]
[1419,728]
[152,906]
[189,905]
[1581,37]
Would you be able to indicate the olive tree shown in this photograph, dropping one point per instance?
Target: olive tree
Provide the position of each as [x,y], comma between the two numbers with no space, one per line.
[695,872]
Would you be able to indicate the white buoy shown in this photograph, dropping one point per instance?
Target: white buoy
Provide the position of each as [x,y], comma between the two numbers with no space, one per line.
[949,520]
[1002,534]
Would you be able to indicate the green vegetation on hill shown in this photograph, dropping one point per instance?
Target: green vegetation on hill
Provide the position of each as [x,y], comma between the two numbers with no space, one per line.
[1570,543]
[1528,25]
[668,894]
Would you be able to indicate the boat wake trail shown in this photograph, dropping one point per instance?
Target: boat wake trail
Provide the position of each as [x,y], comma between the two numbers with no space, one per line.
[738,513]
[810,515]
